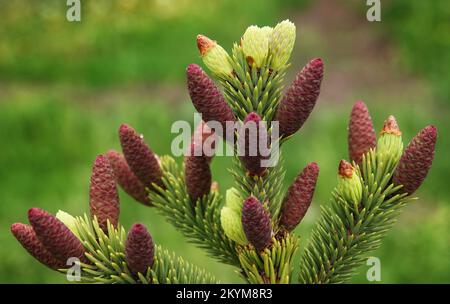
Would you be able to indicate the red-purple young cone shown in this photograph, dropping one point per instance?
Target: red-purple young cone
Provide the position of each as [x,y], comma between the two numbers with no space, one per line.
[140,157]
[256,224]
[139,249]
[361,134]
[206,97]
[55,236]
[250,140]
[300,98]
[126,178]
[103,195]
[299,197]
[28,239]
[197,176]
[203,142]
[416,160]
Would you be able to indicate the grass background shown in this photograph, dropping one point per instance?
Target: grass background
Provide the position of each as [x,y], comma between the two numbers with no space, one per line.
[66,87]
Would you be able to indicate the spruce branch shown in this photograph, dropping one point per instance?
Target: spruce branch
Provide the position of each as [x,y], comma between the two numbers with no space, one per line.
[198,220]
[365,205]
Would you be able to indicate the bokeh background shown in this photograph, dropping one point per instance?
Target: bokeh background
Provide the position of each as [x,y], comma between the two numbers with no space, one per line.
[66,87]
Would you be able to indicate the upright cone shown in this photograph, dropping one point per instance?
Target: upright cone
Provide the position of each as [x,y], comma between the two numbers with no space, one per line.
[139,249]
[127,179]
[416,160]
[300,98]
[361,134]
[103,196]
[140,157]
[206,97]
[256,224]
[299,197]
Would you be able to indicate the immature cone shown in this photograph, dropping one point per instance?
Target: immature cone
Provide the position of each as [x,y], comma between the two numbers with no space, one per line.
[349,184]
[361,134]
[281,43]
[197,176]
[416,160]
[214,56]
[256,224]
[231,217]
[127,179]
[139,249]
[140,157]
[390,144]
[255,45]
[203,142]
[103,196]
[206,97]
[59,241]
[299,197]
[28,239]
[300,98]
[251,136]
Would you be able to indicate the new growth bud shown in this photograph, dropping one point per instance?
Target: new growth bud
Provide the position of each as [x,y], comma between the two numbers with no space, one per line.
[349,184]
[361,134]
[281,43]
[214,56]
[390,144]
[255,45]
[416,161]
[230,217]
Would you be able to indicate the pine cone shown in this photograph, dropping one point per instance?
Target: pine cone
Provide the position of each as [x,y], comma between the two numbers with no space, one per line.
[361,134]
[206,97]
[140,157]
[300,98]
[28,239]
[252,155]
[139,249]
[299,197]
[256,224]
[416,160]
[197,176]
[126,178]
[55,236]
[103,196]
[202,138]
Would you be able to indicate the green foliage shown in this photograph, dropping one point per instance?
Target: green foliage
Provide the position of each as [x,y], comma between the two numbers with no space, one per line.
[107,262]
[199,221]
[349,230]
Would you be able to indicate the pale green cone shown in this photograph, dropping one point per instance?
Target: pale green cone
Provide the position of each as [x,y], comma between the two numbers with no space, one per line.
[390,144]
[232,225]
[233,200]
[281,43]
[214,56]
[67,220]
[349,184]
[255,45]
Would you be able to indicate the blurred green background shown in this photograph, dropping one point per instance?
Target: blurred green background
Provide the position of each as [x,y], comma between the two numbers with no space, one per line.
[66,87]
